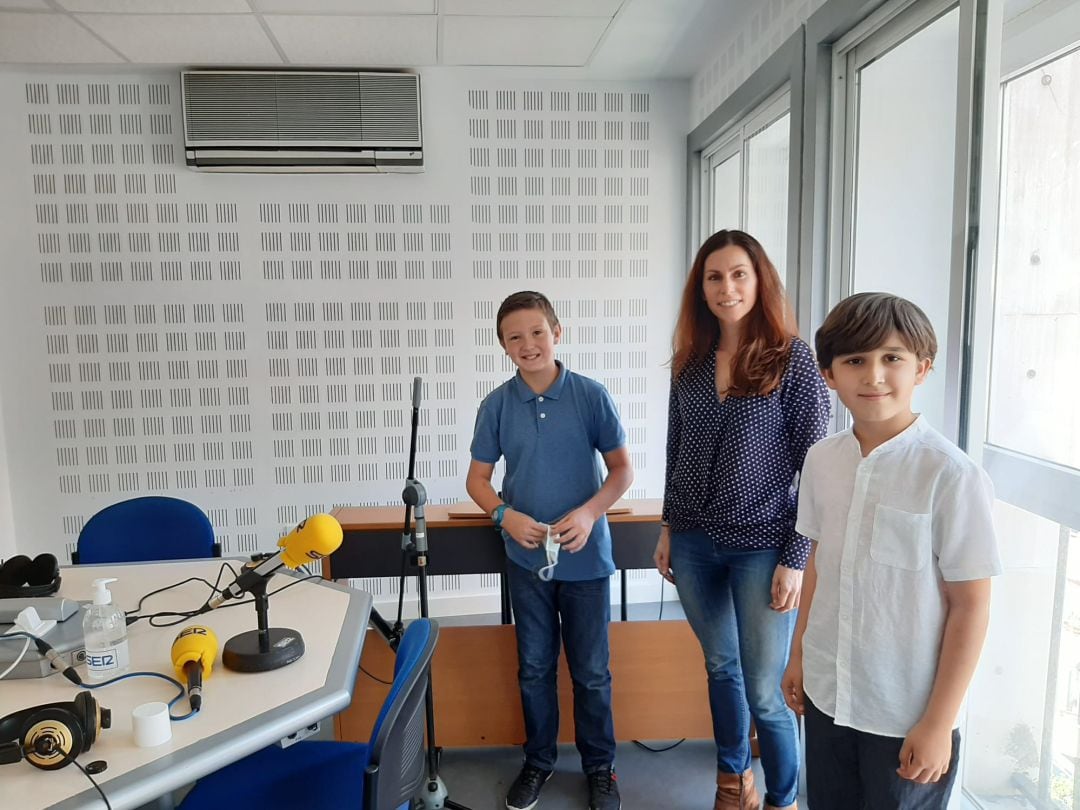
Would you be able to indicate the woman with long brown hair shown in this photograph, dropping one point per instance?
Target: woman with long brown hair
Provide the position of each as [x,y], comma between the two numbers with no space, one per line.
[747,402]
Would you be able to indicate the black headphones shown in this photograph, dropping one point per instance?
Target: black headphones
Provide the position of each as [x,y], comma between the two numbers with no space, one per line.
[21,577]
[50,736]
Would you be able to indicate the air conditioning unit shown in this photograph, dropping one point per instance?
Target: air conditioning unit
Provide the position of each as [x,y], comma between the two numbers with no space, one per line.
[301,121]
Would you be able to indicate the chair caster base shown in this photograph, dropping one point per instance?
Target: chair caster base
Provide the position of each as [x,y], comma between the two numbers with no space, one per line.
[432,795]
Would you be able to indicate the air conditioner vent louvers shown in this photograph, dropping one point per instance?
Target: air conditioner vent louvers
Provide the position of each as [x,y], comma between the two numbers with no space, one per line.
[369,118]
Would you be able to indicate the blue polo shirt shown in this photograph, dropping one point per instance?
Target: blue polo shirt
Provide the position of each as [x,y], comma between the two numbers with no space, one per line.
[551,443]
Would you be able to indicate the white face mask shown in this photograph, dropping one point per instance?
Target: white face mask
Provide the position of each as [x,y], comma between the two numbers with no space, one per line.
[551,549]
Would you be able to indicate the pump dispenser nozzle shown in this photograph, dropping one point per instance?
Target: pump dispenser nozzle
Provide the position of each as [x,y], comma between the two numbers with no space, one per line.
[102,595]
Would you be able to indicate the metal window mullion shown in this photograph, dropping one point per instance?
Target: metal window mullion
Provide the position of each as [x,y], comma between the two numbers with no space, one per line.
[842,184]
[970,86]
[1053,661]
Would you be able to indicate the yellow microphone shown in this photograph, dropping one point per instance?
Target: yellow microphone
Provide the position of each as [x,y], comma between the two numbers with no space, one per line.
[311,540]
[193,654]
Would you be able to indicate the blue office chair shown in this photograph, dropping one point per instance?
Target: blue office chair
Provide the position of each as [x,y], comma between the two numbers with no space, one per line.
[384,774]
[142,529]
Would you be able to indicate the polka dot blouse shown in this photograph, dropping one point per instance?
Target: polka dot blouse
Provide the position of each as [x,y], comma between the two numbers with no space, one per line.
[732,465]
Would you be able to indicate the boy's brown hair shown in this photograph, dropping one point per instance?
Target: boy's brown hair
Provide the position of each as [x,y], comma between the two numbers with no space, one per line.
[526,299]
[864,321]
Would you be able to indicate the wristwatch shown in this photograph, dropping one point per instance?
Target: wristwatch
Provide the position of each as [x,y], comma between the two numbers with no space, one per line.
[497,514]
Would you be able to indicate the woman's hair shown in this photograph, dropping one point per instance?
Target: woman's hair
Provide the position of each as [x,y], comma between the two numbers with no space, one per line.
[864,321]
[526,299]
[765,340]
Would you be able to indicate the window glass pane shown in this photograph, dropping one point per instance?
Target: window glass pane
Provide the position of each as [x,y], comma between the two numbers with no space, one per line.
[725,193]
[1035,387]
[767,189]
[1021,734]
[904,181]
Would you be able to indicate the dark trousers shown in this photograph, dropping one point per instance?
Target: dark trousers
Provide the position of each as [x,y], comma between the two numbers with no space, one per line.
[852,770]
[579,613]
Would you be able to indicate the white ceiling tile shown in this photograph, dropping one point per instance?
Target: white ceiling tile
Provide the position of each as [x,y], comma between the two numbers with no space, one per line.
[406,41]
[157,6]
[185,39]
[531,8]
[51,39]
[520,40]
[25,4]
[347,7]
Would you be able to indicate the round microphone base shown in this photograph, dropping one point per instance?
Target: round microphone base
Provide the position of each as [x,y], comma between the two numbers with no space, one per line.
[242,653]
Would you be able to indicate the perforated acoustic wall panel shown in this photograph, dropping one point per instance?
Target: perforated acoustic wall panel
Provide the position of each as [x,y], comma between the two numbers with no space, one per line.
[248,342]
[742,51]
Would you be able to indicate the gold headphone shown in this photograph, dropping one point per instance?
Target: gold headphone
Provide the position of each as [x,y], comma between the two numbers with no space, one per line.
[52,735]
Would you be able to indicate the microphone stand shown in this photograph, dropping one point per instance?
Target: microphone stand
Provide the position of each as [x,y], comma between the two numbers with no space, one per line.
[266,648]
[414,543]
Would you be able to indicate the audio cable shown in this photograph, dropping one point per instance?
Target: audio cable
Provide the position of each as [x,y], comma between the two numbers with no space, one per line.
[19,658]
[57,662]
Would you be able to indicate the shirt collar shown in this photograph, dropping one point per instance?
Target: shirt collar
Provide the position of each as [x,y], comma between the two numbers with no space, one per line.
[901,439]
[526,394]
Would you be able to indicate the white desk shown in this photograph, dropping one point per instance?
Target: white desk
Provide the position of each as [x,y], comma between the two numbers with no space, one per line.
[241,712]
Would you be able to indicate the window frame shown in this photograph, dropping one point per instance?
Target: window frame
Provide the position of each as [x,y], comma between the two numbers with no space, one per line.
[780,74]
[736,141]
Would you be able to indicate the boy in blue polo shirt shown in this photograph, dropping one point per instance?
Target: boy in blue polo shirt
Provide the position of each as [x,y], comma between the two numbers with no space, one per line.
[549,424]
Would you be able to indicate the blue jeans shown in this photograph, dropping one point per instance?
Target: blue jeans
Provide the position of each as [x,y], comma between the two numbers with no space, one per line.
[726,596]
[585,610]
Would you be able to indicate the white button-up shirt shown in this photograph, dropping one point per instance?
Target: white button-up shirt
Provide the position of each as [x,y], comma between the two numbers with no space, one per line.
[890,528]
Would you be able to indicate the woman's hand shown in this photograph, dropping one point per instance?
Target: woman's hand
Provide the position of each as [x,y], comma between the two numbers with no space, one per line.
[662,555]
[786,585]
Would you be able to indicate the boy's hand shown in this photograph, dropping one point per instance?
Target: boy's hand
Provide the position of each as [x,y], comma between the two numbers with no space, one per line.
[526,532]
[786,585]
[924,756]
[792,686]
[574,529]
[662,555]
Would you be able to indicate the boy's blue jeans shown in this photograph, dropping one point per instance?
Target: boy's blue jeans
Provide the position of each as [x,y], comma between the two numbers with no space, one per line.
[585,610]
[725,595]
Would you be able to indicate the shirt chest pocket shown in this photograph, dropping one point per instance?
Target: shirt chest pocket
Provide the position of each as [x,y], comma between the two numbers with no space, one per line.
[901,539]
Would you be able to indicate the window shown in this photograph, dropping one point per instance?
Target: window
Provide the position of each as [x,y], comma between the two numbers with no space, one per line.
[1022,750]
[894,182]
[1035,388]
[745,176]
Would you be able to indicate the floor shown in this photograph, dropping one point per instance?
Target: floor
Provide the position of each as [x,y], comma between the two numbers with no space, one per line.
[684,777]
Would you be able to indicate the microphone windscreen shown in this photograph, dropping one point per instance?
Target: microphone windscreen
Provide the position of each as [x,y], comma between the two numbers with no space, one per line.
[195,643]
[416,392]
[313,539]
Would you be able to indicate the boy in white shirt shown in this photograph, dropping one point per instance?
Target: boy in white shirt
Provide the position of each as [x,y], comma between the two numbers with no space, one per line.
[896,593]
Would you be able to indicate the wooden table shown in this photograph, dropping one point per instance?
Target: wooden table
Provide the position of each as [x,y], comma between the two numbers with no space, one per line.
[470,545]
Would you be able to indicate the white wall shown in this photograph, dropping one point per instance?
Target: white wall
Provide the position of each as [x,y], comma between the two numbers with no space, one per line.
[742,50]
[248,342]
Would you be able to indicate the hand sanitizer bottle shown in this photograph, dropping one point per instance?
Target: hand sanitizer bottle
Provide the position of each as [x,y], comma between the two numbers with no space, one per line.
[105,636]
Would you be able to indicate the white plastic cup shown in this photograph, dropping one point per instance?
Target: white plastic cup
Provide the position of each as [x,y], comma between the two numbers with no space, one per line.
[150,724]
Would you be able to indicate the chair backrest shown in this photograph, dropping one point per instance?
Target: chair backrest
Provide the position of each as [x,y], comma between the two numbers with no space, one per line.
[150,528]
[398,764]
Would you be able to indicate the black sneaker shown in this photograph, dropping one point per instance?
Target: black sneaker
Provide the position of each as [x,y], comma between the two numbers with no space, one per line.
[603,790]
[525,792]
